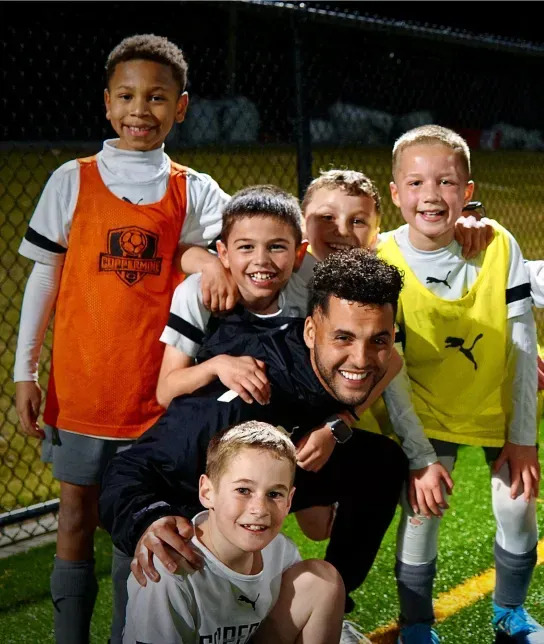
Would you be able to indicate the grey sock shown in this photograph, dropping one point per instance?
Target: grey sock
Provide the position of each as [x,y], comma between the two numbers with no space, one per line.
[415,588]
[120,570]
[514,574]
[73,590]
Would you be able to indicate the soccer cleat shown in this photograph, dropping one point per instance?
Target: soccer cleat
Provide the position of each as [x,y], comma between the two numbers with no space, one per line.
[418,634]
[517,624]
[352,635]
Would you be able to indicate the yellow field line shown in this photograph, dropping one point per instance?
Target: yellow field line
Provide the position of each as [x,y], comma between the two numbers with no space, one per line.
[452,601]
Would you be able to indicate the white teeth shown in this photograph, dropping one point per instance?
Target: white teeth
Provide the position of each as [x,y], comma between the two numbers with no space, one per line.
[255,528]
[341,246]
[262,277]
[354,376]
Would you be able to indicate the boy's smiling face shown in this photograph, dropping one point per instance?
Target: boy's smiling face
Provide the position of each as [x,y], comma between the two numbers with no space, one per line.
[260,253]
[248,503]
[431,186]
[143,102]
[335,220]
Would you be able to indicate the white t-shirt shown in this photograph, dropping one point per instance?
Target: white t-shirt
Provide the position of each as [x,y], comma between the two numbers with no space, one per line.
[139,177]
[447,274]
[189,317]
[214,605]
[306,269]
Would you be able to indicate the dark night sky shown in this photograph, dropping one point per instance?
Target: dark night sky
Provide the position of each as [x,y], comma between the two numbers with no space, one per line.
[518,19]
[54,54]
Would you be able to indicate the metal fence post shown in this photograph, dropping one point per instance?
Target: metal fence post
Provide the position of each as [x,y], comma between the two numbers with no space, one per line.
[302,121]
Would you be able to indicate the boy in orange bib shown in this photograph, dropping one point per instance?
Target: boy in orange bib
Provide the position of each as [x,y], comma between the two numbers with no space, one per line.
[106,238]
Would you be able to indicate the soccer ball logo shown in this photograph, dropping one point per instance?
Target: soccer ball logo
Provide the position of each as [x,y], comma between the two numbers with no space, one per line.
[133,242]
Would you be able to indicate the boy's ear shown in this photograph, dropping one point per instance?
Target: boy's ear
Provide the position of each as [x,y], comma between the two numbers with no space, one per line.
[206,492]
[300,254]
[469,191]
[107,103]
[181,107]
[394,193]
[222,253]
[290,499]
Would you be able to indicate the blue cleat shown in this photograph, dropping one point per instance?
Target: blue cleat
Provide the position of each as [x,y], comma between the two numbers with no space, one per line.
[517,624]
[418,634]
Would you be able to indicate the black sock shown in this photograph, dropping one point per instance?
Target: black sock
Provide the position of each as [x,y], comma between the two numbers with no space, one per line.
[73,590]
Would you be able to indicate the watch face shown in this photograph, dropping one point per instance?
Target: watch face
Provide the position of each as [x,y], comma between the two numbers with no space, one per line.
[341,431]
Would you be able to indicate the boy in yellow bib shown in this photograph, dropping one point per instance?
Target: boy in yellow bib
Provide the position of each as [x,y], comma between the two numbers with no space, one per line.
[342,209]
[469,348]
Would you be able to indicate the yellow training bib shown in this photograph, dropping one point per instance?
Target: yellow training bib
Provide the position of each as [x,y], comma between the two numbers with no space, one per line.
[456,351]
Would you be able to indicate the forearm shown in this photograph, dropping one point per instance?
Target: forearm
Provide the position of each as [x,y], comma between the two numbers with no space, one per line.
[522,359]
[406,424]
[184,381]
[194,259]
[39,299]
[144,483]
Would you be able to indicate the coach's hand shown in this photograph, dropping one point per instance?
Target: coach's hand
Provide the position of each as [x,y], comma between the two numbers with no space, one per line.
[28,398]
[315,449]
[524,469]
[167,538]
[426,493]
[219,290]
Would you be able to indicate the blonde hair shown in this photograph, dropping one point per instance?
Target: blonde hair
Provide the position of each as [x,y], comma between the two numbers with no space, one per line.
[353,183]
[432,135]
[252,434]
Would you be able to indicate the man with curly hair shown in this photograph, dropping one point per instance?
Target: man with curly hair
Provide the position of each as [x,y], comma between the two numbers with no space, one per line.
[328,363]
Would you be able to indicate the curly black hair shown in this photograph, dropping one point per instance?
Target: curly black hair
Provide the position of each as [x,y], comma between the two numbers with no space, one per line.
[262,201]
[355,275]
[149,47]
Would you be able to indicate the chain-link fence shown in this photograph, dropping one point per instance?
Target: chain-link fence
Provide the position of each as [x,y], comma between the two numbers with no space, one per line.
[277,92]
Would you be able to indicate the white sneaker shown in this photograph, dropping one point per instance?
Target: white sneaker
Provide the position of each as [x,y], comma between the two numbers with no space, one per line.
[352,635]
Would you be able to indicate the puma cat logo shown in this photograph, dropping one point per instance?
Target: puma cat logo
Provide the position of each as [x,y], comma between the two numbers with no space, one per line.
[435,280]
[453,343]
[246,600]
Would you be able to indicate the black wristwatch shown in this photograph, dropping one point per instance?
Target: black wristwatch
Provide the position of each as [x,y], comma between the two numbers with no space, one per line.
[340,430]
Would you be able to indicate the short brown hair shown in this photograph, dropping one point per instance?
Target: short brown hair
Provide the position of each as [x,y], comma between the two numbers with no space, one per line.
[433,135]
[149,47]
[262,201]
[354,184]
[225,445]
